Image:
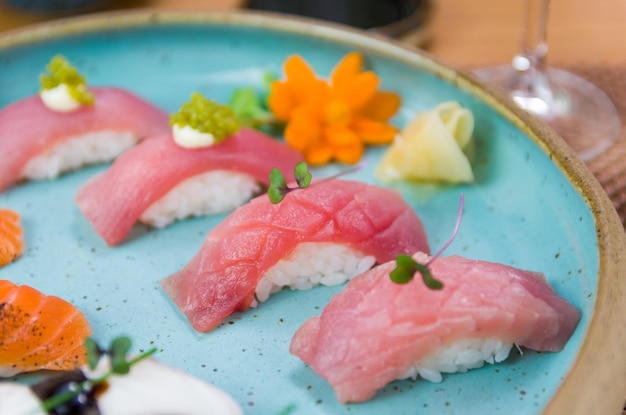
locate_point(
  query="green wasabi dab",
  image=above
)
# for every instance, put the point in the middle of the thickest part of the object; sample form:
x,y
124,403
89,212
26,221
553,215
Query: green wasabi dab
x,y
60,71
206,116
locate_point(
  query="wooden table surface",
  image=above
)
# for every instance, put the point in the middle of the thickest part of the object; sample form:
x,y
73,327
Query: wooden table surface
x,y
466,34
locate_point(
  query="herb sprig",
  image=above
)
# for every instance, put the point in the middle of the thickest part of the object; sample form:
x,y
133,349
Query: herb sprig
x,y
250,105
406,266
278,187
120,365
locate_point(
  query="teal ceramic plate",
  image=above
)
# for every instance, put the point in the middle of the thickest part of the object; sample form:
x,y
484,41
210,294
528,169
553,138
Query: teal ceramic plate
x,y
533,206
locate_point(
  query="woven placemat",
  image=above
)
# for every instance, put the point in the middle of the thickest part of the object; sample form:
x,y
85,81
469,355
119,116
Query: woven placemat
x,y
610,166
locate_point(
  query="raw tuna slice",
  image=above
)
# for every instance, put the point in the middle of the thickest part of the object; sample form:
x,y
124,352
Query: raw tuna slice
x,y
376,331
241,251
28,129
115,200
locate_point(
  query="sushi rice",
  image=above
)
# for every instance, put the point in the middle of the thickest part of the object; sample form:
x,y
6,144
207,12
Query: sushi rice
x,y
459,357
92,148
208,193
311,264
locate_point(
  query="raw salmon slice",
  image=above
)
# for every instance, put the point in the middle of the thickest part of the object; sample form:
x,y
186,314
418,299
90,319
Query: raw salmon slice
x,y
11,236
39,331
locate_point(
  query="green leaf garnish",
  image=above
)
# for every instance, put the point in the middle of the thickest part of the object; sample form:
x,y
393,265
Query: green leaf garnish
x,y
60,71
406,266
119,349
249,108
94,353
206,116
278,186
250,104
404,270
302,175
117,352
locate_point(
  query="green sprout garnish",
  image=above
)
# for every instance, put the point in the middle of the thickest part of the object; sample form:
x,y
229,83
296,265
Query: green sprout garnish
x,y
120,365
278,188
60,71
406,266
250,105
206,116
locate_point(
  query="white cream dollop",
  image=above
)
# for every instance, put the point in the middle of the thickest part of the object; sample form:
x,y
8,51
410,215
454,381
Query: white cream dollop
x,y
188,137
18,399
152,387
59,99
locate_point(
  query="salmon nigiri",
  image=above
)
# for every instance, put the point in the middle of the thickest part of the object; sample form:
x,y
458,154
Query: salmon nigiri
x,y
324,234
39,331
376,331
11,236
40,140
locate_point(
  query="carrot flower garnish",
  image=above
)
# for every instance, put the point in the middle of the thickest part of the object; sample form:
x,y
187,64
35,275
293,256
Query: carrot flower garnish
x,y
333,119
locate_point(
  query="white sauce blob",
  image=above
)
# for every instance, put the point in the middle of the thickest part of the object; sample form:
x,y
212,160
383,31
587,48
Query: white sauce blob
x,y
59,99
188,137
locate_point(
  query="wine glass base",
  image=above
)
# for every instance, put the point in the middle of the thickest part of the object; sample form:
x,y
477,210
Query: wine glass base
x,y
581,113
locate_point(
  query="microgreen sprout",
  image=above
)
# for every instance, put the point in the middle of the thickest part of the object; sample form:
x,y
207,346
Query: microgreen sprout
x,y
249,104
278,187
249,110
406,266
120,365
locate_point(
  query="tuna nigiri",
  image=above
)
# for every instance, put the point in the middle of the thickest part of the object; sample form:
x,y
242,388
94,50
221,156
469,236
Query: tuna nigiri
x,y
40,141
39,331
11,236
159,181
376,331
324,234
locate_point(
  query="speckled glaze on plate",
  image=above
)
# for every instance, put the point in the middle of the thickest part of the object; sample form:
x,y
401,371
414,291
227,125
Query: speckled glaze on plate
x,y
533,206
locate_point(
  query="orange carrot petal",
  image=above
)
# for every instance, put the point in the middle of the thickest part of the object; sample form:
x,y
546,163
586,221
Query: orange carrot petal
x,y
321,153
340,136
304,129
373,132
298,71
281,101
358,90
350,154
337,112
348,67
382,106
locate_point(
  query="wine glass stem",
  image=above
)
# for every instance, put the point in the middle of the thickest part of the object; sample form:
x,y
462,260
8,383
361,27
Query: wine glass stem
x,y
534,46
531,87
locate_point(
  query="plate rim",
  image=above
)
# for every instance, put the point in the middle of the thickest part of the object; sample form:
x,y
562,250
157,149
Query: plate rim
x,y
599,366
